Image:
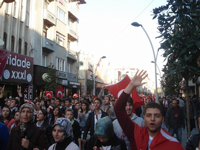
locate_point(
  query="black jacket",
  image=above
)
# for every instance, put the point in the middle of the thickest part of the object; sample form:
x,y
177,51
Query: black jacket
x,y
115,142
192,142
170,120
89,125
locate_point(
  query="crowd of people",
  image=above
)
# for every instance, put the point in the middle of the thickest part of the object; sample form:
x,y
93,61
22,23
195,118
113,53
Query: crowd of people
x,y
96,123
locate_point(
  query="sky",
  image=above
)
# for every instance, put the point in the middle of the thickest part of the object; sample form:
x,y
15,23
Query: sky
x,y
105,30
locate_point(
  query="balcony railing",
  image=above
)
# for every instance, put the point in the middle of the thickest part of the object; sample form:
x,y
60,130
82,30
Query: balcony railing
x,y
73,9
48,44
72,55
72,34
49,18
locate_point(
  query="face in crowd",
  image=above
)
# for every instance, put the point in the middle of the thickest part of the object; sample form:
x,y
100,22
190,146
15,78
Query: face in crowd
x,y
97,104
153,119
26,115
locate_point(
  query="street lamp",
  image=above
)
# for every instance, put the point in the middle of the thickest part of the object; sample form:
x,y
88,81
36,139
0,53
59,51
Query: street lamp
x,y
135,24
94,76
158,69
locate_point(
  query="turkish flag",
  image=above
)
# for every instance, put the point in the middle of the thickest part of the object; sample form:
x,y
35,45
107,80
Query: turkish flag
x,y
59,91
117,88
49,94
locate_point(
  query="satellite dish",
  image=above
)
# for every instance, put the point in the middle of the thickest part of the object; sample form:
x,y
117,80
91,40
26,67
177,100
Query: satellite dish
x,y
1,42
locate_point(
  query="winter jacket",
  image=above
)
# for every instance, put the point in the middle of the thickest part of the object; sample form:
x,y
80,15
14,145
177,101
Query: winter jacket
x,y
90,124
170,120
4,136
192,142
37,140
139,136
119,132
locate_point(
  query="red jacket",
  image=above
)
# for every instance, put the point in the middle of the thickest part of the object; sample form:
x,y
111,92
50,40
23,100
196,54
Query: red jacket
x,y
139,136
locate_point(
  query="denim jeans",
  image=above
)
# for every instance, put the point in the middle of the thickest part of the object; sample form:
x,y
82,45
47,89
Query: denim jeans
x,y
178,132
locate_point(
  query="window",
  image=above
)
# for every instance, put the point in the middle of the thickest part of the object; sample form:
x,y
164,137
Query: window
x,y
20,46
61,15
60,64
8,8
45,32
5,40
12,43
22,12
27,19
25,48
68,67
15,10
44,60
60,39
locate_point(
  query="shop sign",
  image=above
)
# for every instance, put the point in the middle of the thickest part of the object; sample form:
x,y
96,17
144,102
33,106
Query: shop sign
x,y
19,68
61,74
74,84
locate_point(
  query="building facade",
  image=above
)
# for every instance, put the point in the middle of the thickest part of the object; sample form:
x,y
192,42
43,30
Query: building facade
x,y
45,31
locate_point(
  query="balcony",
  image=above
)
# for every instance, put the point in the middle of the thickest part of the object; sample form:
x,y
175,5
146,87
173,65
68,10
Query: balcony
x,y
73,9
72,35
72,55
49,18
48,45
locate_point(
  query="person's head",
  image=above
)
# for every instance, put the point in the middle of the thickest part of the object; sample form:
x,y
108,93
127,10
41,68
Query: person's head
x,y
73,101
62,103
147,100
26,112
107,100
57,101
8,102
68,102
41,115
97,103
91,107
62,129
14,103
84,106
17,117
77,106
76,101
6,113
52,101
153,117
104,129
57,111
37,104
113,101
69,114
82,99
48,102
129,106
104,100
42,103
175,103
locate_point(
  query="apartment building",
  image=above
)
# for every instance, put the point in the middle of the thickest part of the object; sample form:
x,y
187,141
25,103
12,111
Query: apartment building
x,y
40,32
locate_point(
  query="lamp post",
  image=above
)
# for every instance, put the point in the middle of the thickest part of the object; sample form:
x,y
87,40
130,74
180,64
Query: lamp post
x,y
94,76
135,24
158,69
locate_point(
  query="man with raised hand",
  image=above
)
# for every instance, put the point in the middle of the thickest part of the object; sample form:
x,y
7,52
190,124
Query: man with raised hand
x,y
152,136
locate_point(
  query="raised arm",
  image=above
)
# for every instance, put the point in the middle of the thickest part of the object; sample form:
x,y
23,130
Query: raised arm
x,y
19,92
124,120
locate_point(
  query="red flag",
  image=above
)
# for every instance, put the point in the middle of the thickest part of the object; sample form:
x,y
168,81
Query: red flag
x,y
117,88
59,91
49,94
